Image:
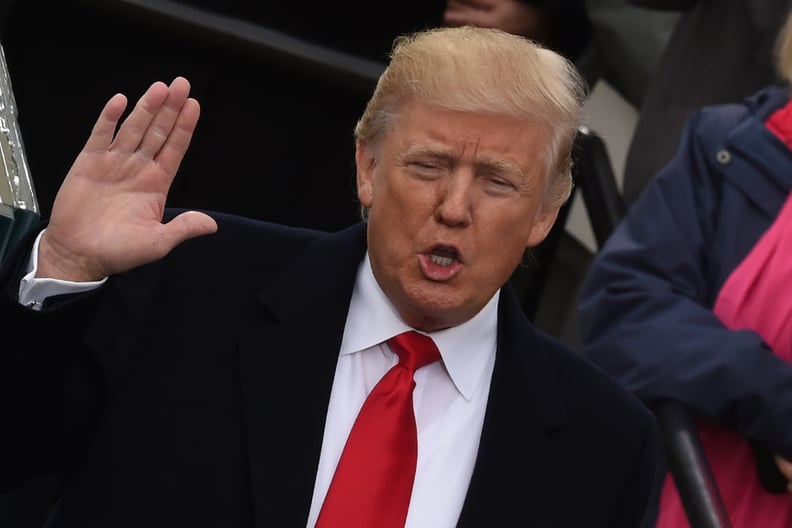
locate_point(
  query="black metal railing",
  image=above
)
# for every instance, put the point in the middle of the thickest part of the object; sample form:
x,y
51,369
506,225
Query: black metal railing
x,y
679,436
250,39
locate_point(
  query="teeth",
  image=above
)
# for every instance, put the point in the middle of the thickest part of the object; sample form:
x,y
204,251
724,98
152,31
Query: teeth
x,y
441,261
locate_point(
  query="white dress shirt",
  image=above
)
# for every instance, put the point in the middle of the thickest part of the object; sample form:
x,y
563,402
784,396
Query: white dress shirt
x,y
33,292
450,396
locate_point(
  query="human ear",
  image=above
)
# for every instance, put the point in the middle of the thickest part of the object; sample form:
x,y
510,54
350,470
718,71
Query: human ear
x,y
364,163
541,227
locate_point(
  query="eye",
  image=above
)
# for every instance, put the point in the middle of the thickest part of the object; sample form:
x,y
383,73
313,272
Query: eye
x,y
498,185
500,182
425,168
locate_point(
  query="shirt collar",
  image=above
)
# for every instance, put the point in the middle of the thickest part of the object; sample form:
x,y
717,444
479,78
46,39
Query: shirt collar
x,y
466,349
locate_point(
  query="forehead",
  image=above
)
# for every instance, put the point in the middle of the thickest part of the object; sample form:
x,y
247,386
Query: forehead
x,y
479,137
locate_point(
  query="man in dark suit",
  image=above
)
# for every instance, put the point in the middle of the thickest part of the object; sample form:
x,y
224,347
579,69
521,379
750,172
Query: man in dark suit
x,y
187,380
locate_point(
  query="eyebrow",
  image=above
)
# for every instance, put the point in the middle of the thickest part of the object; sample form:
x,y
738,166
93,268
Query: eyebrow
x,y
435,152
498,166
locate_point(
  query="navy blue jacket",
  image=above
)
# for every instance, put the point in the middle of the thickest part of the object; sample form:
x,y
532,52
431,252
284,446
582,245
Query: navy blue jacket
x,y
193,392
646,306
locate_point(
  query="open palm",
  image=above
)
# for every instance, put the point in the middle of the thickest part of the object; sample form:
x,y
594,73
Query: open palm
x,y
107,216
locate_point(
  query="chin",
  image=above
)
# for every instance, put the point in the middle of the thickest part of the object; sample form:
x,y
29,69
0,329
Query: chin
x,y
438,311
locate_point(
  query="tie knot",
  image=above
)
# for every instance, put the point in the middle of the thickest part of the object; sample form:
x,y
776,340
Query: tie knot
x,y
414,350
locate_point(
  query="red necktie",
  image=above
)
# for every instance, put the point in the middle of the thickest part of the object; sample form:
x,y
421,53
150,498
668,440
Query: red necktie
x,y
373,482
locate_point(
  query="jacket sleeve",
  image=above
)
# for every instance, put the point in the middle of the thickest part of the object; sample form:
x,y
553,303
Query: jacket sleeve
x,y
51,382
646,314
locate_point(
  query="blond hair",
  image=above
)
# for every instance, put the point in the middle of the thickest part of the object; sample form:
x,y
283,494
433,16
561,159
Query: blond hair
x,y
484,71
783,50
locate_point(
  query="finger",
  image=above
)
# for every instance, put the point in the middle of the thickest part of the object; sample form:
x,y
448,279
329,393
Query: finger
x,y
472,4
172,152
184,226
137,122
104,129
163,122
784,466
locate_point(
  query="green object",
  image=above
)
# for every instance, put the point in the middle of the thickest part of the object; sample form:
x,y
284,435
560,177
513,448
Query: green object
x,y
24,219
14,223
6,228
18,204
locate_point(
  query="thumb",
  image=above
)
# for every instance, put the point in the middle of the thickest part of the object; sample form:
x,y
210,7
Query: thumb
x,y
184,226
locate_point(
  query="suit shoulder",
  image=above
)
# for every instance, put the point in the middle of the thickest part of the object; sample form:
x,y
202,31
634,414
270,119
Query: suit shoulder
x,y
580,386
589,390
244,241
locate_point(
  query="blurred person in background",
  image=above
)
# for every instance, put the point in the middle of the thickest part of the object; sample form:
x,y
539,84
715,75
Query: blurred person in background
x,y
689,299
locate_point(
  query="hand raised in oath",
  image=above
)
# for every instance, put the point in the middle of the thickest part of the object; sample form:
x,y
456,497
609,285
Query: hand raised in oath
x,y
107,216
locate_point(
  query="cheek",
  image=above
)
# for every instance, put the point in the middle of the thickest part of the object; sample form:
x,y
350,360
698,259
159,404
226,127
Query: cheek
x,y
506,254
407,199
512,224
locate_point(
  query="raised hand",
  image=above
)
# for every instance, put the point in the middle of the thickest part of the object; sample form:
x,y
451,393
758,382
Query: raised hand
x,y
107,216
785,467
513,16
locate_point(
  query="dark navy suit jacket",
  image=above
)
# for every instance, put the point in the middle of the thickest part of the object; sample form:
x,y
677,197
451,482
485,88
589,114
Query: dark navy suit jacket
x,y
193,392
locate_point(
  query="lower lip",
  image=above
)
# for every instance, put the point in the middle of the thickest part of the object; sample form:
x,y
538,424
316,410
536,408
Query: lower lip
x,y
437,272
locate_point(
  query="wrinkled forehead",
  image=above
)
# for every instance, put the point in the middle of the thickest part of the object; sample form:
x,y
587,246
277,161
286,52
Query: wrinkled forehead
x,y
394,115
511,143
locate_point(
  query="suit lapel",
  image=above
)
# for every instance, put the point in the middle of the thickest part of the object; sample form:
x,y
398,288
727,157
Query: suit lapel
x,y
288,363
518,461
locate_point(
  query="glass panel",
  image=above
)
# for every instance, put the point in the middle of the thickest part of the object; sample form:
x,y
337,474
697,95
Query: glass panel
x,y
18,206
6,227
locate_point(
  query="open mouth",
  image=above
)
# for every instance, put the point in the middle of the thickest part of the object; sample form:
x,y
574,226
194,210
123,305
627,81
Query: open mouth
x,y
443,256
441,263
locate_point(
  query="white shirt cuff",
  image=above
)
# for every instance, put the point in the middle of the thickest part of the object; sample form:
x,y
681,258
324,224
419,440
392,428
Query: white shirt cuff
x,y
33,291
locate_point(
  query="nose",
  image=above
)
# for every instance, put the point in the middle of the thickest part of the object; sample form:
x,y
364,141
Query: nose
x,y
455,202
